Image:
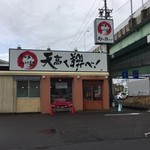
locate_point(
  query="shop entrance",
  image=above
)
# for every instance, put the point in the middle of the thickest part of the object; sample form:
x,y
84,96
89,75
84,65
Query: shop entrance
x,y
61,89
92,95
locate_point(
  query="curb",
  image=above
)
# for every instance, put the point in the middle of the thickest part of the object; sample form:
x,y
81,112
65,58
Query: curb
x,y
142,108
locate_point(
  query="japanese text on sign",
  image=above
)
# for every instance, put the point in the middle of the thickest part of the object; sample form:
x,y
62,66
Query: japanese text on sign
x,y
57,61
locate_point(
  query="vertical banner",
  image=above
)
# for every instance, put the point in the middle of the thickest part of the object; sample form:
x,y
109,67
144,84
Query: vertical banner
x,y
103,31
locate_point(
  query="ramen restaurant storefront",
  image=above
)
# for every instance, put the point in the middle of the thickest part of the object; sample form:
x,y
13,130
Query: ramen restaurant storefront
x,y
38,78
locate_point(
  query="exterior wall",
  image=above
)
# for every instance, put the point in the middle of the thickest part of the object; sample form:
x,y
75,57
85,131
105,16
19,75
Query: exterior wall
x,y
7,91
94,105
28,105
77,91
9,103
105,94
45,94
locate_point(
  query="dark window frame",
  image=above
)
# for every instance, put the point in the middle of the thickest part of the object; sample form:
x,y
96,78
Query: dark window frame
x,y
28,89
91,96
62,93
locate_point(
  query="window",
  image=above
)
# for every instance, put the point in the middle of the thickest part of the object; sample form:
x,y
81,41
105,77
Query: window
x,y
91,91
22,89
61,89
87,93
28,88
96,92
34,89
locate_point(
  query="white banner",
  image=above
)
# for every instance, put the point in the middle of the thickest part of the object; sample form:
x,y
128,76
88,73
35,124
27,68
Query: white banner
x,y
61,85
103,31
57,60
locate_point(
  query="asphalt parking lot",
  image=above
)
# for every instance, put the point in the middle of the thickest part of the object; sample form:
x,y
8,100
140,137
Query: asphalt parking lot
x,y
74,131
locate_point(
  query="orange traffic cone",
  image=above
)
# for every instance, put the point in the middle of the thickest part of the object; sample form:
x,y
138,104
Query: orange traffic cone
x,y
51,112
72,109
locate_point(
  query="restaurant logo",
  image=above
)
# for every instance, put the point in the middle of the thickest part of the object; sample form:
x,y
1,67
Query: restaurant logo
x,y
27,60
104,28
103,31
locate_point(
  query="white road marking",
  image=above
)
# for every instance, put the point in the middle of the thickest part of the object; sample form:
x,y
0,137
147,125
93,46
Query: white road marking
x,y
146,134
125,114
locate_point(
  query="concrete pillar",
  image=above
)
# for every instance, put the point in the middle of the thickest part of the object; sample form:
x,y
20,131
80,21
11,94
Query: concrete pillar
x,y
45,94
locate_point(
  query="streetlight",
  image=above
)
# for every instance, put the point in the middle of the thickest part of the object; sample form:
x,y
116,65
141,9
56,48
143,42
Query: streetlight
x,y
84,39
131,8
142,4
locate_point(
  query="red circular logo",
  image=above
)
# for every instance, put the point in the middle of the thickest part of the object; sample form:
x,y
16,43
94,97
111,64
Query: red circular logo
x,y
27,60
104,28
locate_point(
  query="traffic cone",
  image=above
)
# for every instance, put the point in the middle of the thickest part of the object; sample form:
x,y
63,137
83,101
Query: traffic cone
x,y
72,109
51,112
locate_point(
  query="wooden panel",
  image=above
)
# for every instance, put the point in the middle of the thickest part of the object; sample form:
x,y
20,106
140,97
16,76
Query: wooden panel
x,y
6,94
92,105
28,105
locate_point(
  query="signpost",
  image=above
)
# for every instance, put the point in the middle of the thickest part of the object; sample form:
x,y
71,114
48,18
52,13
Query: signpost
x,y
104,34
103,31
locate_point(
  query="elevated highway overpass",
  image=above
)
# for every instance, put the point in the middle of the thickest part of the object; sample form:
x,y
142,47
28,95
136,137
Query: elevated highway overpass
x,y
131,50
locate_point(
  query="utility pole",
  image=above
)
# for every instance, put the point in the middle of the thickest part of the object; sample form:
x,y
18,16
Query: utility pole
x,y
105,14
105,8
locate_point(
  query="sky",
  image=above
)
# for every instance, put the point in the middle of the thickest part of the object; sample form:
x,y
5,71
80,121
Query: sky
x,y
57,24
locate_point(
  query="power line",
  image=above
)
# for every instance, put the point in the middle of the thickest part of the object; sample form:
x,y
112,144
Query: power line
x,y
84,28
82,24
121,7
81,33
61,40
78,32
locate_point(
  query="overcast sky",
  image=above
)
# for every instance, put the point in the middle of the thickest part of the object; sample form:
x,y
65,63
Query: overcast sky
x,y
58,24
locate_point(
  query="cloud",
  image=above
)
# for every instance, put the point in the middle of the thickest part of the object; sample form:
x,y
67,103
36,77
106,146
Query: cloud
x,y
40,21
4,56
54,23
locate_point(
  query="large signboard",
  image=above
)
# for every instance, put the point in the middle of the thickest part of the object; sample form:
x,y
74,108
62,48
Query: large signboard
x,y
103,31
57,60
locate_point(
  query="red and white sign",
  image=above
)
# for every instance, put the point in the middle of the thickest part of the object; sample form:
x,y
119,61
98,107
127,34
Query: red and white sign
x,y
103,30
27,60
56,61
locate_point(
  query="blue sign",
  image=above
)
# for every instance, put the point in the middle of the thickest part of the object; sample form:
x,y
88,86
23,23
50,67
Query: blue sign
x,y
124,73
135,74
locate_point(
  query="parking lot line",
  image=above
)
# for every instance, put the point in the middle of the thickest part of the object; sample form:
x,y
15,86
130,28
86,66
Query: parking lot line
x,y
123,114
